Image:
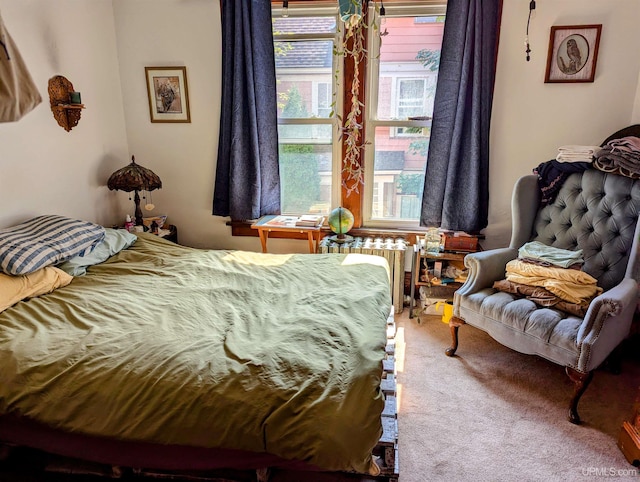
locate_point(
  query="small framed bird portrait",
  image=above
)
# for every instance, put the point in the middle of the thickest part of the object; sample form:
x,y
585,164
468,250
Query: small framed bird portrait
x,y
167,92
573,52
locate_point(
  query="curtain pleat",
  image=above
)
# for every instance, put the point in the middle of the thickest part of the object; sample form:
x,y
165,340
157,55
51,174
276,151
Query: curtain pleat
x,y
247,183
456,190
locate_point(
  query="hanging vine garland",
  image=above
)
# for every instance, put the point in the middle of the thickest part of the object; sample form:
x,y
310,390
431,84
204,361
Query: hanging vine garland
x,y
352,129
351,12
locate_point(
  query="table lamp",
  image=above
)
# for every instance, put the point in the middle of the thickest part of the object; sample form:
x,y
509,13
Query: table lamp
x,y
135,178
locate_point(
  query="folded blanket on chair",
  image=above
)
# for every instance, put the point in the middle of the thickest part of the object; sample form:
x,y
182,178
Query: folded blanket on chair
x,y
552,175
620,156
542,297
623,162
568,284
563,258
573,153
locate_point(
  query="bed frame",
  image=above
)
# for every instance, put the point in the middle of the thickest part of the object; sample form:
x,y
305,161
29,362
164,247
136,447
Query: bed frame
x,y
54,453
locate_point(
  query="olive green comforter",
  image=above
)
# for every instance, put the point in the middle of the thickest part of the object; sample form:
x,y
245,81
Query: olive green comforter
x,y
169,344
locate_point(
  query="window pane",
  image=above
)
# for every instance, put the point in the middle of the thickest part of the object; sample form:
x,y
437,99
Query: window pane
x,y
411,98
306,160
304,73
305,25
409,60
398,176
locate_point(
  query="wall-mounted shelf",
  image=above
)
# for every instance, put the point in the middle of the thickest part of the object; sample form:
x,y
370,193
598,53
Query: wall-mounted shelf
x,y
66,114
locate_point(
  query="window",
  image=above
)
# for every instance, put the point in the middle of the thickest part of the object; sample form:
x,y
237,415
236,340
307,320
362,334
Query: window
x,y
304,46
410,98
402,70
322,99
402,81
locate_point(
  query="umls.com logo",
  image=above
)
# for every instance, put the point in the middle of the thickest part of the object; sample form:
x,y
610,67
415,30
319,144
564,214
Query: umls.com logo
x,y
609,472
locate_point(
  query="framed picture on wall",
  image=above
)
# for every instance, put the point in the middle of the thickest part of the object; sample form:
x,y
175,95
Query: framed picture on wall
x,y
573,52
168,95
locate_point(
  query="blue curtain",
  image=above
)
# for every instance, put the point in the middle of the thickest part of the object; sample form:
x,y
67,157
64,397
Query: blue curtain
x,y
456,190
247,183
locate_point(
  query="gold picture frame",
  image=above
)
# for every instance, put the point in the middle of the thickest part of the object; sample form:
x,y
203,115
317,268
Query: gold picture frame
x,y
168,94
573,53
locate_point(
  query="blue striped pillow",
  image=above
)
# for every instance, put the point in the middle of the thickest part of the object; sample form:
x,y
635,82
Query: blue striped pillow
x,y
46,240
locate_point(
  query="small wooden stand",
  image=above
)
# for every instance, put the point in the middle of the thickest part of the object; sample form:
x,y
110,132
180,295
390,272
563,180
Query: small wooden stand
x,y
66,114
629,439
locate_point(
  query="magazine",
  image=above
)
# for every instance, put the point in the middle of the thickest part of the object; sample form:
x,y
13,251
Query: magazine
x,y
309,220
304,221
283,221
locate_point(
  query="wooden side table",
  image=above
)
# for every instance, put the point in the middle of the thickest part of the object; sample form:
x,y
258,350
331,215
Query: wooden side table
x,y
313,233
629,439
420,258
172,235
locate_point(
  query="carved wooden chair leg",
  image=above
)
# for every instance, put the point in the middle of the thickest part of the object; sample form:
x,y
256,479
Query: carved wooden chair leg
x,y
581,381
454,324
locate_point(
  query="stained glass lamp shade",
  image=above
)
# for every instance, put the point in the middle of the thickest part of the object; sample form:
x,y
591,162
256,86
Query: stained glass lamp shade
x,y
135,178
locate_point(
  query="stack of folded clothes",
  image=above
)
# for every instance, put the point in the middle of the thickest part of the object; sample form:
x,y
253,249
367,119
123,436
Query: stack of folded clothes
x,y
620,156
550,277
573,153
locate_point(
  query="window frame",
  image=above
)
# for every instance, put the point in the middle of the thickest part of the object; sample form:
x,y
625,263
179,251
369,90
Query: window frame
x,y
360,203
326,10
399,9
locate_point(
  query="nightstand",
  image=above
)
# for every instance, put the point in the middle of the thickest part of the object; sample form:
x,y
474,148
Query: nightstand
x,y
169,232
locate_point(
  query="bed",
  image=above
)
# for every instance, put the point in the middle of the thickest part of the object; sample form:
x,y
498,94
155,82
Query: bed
x,y
176,358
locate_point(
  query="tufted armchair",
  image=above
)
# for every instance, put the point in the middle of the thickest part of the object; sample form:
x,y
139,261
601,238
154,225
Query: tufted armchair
x,y
594,211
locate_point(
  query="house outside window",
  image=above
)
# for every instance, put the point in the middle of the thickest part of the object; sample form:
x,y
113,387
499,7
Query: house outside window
x,y
410,98
308,146
401,79
322,99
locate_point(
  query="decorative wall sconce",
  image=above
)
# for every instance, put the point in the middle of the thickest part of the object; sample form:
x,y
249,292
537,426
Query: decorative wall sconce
x,y
66,103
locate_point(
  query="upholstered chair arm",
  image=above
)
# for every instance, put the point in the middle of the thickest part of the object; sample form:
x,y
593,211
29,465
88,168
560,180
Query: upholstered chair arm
x,y
485,267
525,202
606,323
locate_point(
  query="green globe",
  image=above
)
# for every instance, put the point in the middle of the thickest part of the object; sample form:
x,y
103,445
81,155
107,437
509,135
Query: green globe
x,y
340,221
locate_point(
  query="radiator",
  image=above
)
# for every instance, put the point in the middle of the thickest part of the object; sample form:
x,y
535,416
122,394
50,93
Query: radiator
x,y
393,249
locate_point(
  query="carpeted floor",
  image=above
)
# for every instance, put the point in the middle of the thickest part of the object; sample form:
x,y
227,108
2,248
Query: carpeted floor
x,y
490,414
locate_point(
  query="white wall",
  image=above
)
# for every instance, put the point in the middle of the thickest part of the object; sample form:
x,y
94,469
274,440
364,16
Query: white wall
x,y
180,33
176,33
104,50
43,168
532,119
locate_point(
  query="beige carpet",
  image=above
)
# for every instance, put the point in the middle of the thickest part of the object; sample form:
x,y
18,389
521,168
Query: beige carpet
x,y
492,414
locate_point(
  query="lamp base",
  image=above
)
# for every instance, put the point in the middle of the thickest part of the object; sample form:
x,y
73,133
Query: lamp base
x,y
138,213
341,238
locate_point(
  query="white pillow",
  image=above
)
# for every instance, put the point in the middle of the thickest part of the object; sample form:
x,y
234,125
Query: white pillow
x,y
46,240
